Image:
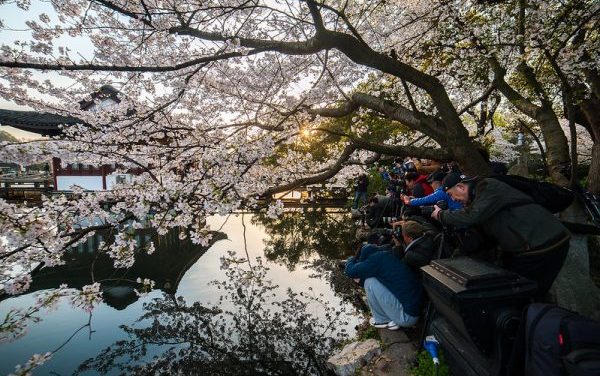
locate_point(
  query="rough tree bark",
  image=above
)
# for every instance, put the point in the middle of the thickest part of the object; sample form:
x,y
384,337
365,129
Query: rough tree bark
x,y
591,110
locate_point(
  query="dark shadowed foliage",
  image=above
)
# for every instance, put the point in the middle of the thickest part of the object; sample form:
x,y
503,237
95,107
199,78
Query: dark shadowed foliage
x,y
252,330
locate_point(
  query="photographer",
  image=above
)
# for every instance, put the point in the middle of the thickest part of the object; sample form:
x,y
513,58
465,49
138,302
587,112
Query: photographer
x,y
417,184
439,194
394,293
381,211
532,241
360,190
418,244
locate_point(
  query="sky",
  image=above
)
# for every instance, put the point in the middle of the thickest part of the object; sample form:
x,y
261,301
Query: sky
x,y
14,28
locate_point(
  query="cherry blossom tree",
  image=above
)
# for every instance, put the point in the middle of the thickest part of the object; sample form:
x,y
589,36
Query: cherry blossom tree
x,y
224,102
541,56
215,98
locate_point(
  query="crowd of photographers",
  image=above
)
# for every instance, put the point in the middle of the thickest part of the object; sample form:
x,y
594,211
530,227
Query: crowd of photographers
x,y
444,214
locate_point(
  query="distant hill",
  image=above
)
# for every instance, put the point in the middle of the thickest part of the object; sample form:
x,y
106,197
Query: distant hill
x,y
5,136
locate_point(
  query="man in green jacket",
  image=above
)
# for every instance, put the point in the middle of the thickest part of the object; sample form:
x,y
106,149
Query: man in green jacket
x,y
532,240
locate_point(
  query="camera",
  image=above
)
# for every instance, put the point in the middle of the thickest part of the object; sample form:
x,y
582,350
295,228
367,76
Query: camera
x,y
427,210
395,232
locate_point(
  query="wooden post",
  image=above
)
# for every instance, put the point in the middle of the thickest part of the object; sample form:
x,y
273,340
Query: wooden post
x,y
6,189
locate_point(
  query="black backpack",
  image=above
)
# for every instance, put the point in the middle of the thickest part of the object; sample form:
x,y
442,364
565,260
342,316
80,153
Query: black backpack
x,y
551,196
560,342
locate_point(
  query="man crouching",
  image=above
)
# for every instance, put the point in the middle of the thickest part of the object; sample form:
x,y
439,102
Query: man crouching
x,y
394,292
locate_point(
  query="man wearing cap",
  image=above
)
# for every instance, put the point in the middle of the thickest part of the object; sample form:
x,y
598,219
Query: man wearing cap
x,y
439,194
533,242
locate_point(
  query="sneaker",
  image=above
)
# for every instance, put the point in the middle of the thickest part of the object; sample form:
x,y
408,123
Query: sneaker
x,y
379,325
392,326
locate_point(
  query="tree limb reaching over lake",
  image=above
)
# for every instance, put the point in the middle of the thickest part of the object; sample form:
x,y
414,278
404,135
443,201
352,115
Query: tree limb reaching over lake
x,y
216,103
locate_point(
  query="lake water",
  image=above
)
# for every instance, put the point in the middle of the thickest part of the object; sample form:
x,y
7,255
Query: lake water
x,y
260,301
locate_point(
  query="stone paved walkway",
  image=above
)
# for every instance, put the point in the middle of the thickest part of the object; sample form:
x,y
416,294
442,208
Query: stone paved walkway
x,y
395,360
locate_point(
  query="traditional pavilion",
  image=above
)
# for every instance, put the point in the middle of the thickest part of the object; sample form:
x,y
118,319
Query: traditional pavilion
x,y
87,176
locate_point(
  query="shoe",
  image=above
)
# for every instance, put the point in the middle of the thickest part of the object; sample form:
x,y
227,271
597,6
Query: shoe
x,y
379,325
392,326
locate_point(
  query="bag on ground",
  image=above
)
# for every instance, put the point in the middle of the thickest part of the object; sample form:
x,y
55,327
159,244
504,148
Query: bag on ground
x,y
560,342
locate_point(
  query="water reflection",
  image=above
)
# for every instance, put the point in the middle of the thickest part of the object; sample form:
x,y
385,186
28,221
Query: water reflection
x,y
299,234
85,265
262,333
242,324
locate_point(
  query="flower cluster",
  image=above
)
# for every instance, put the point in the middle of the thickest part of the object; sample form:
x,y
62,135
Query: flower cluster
x,y
33,362
146,285
87,298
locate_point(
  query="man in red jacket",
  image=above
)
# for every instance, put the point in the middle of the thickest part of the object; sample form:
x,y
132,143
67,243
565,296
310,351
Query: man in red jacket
x,y
417,184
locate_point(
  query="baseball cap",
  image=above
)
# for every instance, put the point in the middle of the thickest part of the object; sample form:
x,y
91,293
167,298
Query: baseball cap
x,y
454,178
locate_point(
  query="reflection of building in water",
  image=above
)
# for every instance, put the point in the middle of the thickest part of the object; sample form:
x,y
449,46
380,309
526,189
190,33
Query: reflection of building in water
x,y
166,266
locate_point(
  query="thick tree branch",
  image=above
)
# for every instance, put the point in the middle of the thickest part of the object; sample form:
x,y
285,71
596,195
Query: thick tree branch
x,y
345,109
349,25
329,173
523,104
418,121
395,150
426,124
440,155
477,100
568,99
409,96
316,15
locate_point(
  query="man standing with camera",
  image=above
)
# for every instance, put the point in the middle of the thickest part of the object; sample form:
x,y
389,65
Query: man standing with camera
x,y
360,190
532,241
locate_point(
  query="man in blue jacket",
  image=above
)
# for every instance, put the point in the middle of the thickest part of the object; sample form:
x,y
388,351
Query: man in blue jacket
x,y
438,194
394,293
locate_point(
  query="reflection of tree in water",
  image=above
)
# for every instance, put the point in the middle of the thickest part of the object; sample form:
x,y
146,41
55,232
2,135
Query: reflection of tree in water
x,y
300,233
261,334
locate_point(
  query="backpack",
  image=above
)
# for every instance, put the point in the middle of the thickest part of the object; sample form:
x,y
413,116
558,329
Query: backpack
x,y
560,342
550,196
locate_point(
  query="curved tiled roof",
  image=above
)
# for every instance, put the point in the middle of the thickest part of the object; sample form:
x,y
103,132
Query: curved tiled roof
x,y
43,123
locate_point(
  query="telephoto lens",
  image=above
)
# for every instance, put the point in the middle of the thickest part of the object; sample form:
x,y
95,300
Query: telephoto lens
x,y
427,210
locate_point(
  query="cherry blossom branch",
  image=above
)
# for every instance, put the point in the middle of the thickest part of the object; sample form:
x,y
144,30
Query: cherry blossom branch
x,y
477,100
75,236
334,169
347,22
126,68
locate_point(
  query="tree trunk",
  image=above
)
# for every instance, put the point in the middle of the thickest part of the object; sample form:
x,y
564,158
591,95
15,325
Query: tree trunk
x,y
591,109
557,146
468,158
594,172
